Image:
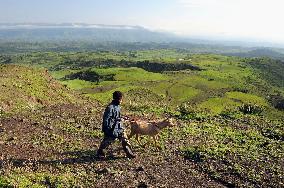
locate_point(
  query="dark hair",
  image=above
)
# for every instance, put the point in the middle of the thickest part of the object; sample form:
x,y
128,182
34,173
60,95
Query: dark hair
x,y
117,95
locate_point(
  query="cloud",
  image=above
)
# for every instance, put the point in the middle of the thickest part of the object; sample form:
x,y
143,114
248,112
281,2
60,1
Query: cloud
x,y
198,3
246,18
189,4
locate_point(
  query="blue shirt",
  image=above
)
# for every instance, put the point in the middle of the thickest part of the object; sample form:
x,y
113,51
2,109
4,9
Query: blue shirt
x,y
112,125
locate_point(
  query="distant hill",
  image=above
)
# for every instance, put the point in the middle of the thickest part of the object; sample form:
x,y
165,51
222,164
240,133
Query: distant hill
x,y
260,52
22,38
85,32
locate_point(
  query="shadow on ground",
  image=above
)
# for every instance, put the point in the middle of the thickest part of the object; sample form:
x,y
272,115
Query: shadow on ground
x,y
74,157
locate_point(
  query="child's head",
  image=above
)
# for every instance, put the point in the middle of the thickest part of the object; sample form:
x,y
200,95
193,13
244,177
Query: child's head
x,y
117,95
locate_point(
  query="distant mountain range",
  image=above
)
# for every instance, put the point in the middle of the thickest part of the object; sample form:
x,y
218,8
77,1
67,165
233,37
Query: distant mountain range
x,y
38,32
24,37
64,25
260,52
85,32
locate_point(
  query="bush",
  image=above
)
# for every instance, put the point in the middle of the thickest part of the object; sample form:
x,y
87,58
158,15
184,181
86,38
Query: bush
x,y
188,112
277,101
228,114
193,154
251,109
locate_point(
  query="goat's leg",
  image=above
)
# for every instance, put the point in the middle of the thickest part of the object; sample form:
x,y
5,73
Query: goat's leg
x,y
137,138
130,135
155,140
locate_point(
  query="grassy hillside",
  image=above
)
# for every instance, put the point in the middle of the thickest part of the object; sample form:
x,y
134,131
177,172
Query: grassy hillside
x,y
23,88
269,70
210,84
228,120
216,78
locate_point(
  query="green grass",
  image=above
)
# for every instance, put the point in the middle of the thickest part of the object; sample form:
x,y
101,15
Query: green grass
x,y
247,98
5,183
182,93
42,180
218,105
106,97
217,143
219,140
78,84
131,74
202,83
62,73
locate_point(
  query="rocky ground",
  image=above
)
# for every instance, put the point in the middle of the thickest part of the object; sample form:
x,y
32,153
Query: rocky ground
x,y
56,147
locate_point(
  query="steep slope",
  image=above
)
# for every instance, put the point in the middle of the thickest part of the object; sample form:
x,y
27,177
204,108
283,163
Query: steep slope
x,y
23,88
269,69
54,146
210,145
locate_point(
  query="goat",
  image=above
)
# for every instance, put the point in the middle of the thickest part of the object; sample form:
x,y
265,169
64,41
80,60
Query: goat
x,y
151,128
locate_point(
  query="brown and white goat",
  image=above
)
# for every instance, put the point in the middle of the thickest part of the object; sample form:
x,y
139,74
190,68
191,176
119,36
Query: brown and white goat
x,y
151,128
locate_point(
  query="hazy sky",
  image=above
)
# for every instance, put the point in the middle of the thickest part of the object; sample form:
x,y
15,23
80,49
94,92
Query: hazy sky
x,y
261,19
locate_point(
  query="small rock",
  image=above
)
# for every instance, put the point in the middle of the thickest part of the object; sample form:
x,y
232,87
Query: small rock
x,y
1,128
35,123
23,120
103,171
49,127
11,139
167,159
142,185
71,120
262,145
140,169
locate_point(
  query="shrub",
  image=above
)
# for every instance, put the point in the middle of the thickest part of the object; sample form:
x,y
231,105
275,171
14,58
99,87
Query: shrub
x,y
193,153
248,108
188,112
277,101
